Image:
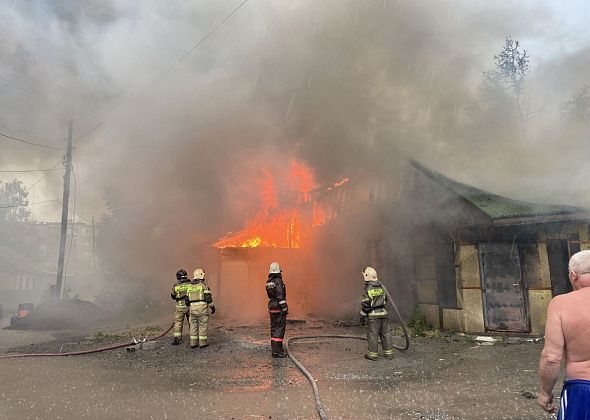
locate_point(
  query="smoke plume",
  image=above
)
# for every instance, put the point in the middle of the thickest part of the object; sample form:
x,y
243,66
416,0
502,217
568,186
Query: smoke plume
x,y
348,87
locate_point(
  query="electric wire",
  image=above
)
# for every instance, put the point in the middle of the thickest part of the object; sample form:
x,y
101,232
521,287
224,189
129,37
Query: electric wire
x,y
19,171
162,75
43,177
32,143
30,204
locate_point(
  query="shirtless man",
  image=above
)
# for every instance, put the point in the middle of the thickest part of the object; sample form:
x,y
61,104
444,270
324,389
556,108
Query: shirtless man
x,y
568,333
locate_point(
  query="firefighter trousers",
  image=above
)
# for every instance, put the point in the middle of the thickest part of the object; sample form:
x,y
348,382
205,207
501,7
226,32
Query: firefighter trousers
x,y
278,323
181,312
379,328
199,323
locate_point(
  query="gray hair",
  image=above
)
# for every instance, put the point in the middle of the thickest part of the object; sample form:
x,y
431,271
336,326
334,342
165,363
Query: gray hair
x,y
580,262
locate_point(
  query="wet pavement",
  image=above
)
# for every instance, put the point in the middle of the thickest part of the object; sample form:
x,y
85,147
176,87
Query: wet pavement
x,y
438,378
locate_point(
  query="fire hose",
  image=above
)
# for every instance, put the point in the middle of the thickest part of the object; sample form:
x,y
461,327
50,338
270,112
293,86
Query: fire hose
x,y
78,353
310,378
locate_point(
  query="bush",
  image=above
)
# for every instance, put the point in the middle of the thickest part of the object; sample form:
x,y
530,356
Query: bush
x,y
419,325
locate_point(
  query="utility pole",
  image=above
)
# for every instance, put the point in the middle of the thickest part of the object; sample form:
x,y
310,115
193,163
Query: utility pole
x,y
64,213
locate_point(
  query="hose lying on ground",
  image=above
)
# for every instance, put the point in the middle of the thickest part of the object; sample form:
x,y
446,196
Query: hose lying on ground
x,y
77,353
316,392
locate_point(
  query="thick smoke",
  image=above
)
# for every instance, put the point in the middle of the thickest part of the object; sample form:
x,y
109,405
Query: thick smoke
x,y
346,86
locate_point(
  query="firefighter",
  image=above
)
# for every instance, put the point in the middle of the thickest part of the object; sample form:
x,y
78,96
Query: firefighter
x,y
277,308
373,307
201,304
179,295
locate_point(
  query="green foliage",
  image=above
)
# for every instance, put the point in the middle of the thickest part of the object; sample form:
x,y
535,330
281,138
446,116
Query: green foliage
x,y
14,202
419,325
105,336
511,67
578,107
152,328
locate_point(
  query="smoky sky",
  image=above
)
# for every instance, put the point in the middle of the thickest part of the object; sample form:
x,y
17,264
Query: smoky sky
x,y
343,85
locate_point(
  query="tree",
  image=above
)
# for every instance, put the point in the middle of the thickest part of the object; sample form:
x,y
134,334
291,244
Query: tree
x,y
511,66
14,202
578,107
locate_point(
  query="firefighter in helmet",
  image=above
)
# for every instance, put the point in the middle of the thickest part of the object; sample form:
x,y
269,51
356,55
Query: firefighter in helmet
x,y
201,304
179,295
373,307
277,308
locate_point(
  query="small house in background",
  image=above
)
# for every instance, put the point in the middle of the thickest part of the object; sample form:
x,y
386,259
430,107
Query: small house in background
x,y
21,280
484,262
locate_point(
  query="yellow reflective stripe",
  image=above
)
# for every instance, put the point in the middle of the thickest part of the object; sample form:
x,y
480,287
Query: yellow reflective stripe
x,y
177,334
388,351
282,301
372,353
375,292
202,337
194,337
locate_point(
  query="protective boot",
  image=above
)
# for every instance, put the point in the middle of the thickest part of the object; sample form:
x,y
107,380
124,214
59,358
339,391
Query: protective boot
x,y
277,349
369,355
176,341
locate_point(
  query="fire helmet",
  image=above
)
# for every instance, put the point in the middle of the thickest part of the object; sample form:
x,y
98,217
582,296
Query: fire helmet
x,y
199,274
370,274
181,274
274,268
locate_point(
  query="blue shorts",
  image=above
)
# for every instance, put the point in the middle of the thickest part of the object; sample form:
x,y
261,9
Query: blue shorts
x,y
575,400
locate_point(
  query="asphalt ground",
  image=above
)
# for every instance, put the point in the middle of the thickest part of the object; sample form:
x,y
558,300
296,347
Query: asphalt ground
x,y
444,377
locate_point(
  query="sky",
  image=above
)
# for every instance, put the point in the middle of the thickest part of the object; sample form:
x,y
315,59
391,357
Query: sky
x,y
83,60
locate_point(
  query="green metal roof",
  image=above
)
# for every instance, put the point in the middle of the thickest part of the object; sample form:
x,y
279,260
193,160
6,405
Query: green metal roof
x,y
496,206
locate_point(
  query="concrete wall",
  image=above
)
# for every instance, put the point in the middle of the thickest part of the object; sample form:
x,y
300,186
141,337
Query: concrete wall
x,y
431,313
469,317
468,272
426,289
453,320
539,292
538,301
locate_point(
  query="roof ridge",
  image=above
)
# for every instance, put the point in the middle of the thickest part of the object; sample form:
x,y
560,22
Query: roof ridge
x,y
494,205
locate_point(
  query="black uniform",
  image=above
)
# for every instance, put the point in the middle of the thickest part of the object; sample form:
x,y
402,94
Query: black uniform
x,y
277,308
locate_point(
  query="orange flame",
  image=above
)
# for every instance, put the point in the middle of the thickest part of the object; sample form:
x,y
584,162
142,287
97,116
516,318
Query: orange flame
x,y
281,226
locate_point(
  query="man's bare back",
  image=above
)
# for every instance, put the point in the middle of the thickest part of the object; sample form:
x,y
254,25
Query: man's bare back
x,y
573,310
567,336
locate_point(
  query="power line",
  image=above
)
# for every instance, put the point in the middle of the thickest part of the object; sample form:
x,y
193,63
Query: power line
x,y
19,171
32,143
42,178
29,204
165,73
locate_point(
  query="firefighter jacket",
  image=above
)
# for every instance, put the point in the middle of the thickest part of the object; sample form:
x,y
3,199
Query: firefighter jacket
x,y
373,300
198,291
179,292
277,293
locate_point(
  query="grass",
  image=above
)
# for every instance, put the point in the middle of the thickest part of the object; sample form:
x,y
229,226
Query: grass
x,y
420,327
105,336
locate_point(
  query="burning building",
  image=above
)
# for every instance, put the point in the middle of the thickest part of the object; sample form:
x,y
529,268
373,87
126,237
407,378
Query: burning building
x,y
292,209
467,259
